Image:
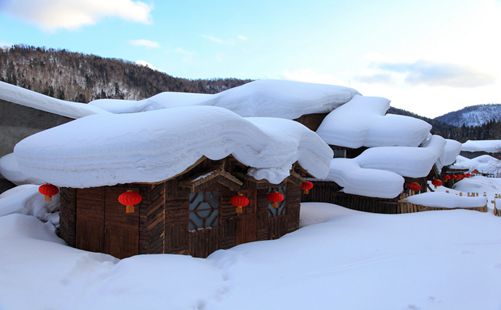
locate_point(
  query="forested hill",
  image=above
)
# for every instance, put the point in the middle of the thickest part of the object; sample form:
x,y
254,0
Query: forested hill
x,y
80,77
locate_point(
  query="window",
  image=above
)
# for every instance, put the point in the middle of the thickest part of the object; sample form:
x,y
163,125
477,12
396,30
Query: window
x,y
339,153
204,210
280,210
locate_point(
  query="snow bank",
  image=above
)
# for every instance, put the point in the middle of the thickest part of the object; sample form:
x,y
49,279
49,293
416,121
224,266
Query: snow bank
x,y
25,199
160,101
451,150
414,162
153,146
10,171
41,102
446,200
489,146
364,182
362,122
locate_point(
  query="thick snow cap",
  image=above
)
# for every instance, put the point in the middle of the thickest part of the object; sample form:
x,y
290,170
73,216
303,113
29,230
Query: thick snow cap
x,y
282,98
452,149
364,182
414,162
261,98
152,146
489,146
362,122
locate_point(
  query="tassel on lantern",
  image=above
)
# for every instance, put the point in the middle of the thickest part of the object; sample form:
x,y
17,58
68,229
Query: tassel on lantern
x,y
306,187
130,199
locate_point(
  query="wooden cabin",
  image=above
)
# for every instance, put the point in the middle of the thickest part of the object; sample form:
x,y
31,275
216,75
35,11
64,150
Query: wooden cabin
x,y
189,214
312,121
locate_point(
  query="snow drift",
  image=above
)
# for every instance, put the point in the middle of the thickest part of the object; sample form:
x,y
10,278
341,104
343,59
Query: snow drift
x,y
489,146
446,200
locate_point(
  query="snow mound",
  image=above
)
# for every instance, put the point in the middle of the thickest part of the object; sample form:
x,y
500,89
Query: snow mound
x,y
281,98
25,199
446,200
489,146
364,182
362,122
31,99
152,146
452,149
414,162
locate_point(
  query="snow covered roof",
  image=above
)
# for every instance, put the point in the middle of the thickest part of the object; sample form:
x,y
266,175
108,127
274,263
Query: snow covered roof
x,y
109,149
484,164
282,98
362,122
489,146
414,162
364,182
446,200
163,100
451,150
31,99
262,98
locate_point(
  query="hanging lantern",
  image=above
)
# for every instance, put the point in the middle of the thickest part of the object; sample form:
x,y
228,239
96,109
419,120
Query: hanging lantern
x,y
306,187
475,171
446,178
48,190
459,177
467,175
275,198
436,182
239,202
129,199
414,186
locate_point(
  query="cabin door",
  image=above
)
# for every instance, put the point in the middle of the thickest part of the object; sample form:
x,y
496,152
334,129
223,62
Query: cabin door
x,y
102,224
277,216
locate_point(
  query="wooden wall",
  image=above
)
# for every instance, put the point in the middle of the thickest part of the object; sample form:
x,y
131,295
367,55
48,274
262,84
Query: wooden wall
x,y
93,220
312,121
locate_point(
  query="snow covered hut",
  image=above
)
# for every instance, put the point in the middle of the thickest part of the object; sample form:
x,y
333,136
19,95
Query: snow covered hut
x,y
201,178
475,148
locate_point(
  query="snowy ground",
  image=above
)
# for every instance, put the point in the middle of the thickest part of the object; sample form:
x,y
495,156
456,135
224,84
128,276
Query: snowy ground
x,y
339,259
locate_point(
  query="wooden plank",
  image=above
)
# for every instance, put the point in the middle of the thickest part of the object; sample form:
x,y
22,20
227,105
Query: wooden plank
x,y
121,229
90,219
67,215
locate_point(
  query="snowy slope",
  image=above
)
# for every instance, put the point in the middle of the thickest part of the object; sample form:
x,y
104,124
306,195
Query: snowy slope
x,y
109,149
472,116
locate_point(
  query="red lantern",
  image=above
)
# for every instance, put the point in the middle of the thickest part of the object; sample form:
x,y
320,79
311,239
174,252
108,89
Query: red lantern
x,y
446,177
239,202
48,190
436,182
459,177
475,171
306,187
468,175
275,198
414,186
129,199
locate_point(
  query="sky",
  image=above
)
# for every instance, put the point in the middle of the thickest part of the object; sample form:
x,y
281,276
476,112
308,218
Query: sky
x,y
428,57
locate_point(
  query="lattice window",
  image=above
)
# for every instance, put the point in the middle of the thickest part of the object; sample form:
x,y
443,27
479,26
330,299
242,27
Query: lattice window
x,y
204,210
280,210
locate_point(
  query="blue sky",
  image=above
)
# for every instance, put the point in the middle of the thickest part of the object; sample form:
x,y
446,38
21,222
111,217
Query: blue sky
x,y
429,57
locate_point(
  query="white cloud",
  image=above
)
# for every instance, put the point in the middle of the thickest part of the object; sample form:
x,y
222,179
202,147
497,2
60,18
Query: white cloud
x,y
72,14
213,39
146,64
225,41
144,43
